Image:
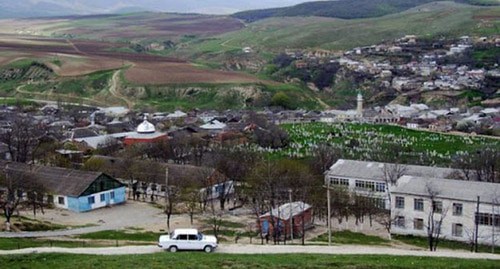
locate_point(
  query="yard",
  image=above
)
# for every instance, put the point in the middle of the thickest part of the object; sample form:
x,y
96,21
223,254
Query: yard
x,y
202,260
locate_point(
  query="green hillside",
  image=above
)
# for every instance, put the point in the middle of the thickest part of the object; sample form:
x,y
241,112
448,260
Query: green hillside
x,y
428,21
346,9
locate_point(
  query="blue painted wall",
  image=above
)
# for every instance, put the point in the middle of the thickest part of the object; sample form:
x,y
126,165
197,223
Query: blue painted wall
x,y
81,204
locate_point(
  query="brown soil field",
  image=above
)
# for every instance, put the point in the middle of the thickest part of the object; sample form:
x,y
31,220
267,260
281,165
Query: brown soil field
x,y
76,58
181,73
125,27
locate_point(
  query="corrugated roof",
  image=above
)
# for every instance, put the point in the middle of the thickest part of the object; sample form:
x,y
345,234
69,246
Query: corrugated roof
x,y
283,211
448,188
177,173
56,180
374,170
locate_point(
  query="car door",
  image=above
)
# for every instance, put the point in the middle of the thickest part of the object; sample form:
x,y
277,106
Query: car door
x,y
182,241
193,242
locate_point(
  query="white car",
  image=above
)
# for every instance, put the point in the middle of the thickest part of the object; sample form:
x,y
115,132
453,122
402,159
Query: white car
x,y
187,239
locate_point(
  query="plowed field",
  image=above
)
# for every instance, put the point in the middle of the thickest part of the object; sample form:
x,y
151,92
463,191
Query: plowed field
x,y
75,58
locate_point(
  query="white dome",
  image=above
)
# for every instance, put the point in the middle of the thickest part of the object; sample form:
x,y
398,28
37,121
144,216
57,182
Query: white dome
x,y
146,127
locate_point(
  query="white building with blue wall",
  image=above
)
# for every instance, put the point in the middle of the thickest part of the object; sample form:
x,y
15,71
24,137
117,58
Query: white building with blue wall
x,y
75,190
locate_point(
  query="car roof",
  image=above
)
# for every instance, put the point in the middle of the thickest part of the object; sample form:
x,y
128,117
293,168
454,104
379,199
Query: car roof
x,y
185,231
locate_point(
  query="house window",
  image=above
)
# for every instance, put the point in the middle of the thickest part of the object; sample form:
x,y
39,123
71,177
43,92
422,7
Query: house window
x,y
457,229
339,181
400,202
91,200
365,185
103,197
418,204
60,200
112,195
380,187
418,224
488,219
457,209
378,202
437,207
400,222
483,219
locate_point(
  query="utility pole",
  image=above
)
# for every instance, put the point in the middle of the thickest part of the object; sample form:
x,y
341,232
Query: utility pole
x,y
476,222
291,215
166,194
493,226
329,213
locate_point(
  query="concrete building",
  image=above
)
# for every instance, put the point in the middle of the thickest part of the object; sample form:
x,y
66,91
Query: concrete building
x,y
369,178
455,202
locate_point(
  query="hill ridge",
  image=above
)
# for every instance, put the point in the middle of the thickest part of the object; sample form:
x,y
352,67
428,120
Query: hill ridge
x,y
347,9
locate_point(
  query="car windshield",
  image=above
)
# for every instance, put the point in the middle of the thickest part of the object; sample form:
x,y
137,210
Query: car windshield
x,y
200,236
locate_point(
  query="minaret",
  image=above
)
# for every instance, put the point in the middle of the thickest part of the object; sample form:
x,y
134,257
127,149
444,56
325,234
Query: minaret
x,y
92,119
359,110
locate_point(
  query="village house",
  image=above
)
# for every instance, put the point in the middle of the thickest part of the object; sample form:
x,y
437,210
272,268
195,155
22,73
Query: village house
x,y
278,220
70,189
453,204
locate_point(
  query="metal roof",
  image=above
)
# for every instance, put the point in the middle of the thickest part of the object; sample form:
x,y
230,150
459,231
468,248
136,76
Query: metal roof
x,y
448,189
283,211
374,170
56,180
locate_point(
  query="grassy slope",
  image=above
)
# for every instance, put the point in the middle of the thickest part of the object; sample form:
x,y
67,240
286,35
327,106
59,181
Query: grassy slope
x,y
431,20
202,260
346,9
441,147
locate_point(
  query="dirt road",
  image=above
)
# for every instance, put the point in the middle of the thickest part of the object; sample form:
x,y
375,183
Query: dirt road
x,y
268,249
113,89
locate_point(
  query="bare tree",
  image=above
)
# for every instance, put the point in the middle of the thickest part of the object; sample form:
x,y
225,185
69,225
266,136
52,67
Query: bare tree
x,y
22,139
391,173
483,165
180,148
191,198
324,156
15,184
435,217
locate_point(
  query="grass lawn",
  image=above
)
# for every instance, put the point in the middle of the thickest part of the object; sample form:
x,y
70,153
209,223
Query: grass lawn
x,y
348,237
19,243
203,260
122,235
422,242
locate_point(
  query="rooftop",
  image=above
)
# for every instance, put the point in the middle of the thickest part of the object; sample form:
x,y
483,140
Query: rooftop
x,y
449,188
375,170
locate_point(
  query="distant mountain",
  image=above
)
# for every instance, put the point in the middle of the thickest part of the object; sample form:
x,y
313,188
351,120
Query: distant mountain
x,y
345,9
47,8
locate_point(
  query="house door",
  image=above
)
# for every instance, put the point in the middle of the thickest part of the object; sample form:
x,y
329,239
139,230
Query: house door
x,y
265,227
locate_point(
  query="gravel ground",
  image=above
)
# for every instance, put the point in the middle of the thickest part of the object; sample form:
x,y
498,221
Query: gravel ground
x,y
268,249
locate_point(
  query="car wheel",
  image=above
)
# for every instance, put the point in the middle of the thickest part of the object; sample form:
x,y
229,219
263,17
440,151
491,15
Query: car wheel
x,y
208,249
173,249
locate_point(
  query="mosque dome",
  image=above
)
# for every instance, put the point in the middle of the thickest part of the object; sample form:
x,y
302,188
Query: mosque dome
x,y
146,127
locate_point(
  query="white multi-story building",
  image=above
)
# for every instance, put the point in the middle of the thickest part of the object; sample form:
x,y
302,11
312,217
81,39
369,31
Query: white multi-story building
x,y
370,178
453,204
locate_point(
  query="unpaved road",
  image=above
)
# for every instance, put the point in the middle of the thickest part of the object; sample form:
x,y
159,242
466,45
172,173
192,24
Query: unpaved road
x,y
113,89
268,249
